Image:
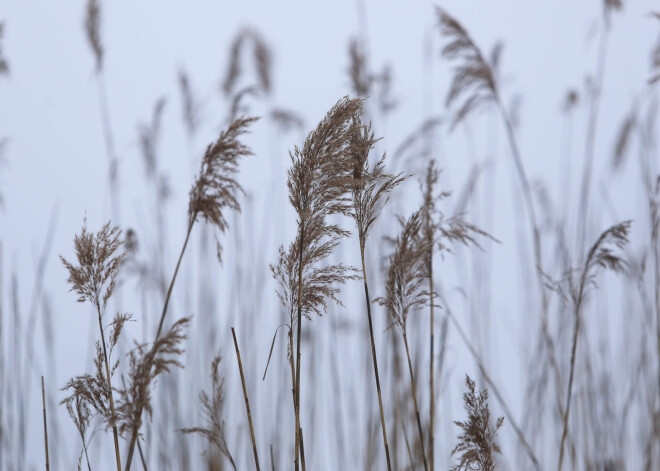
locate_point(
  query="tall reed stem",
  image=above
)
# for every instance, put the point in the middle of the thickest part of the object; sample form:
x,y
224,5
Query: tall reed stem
x,y
247,401
431,369
298,328
112,401
134,435
375,359
43,400
414,395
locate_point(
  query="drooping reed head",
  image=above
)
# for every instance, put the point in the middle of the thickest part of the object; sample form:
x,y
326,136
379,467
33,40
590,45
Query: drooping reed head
x,y
146,363
473,76
477,443
261,56
404,288
93,31
94,277
320,177
371,185
321,171
215,188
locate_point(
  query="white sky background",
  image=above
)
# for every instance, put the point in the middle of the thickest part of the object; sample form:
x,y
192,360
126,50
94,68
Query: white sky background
x,y
56,158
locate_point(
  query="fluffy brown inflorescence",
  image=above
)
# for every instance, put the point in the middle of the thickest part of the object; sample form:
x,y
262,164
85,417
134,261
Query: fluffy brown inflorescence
x,y
477,443
94,278
319,179
215,187
473,76
404,289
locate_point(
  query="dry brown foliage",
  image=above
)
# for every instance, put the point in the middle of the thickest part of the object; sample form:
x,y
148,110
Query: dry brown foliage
x,y
477,443
212,410
93,31
215,187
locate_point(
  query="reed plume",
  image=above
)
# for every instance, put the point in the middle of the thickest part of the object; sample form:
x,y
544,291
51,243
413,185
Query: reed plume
x,y
318,180
212,411
372,186
405,292
261,58
605,254
94,279
477,443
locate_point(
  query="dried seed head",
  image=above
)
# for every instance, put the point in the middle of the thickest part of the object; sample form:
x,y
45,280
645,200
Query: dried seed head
x,y
215,187
191,108
473,76
357,70
94,277
405,289
477,443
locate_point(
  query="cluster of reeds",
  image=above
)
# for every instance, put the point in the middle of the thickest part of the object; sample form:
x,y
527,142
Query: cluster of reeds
x,y
339,178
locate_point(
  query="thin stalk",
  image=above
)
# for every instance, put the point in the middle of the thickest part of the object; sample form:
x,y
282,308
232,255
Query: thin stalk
x,y
112,401
299,327
43,399
414,395
134,435
375,359
302,450
572,371
293,372
247,401
431,384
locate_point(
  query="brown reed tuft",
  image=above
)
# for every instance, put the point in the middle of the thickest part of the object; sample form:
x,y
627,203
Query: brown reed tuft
x,y
93,31
215,187
477,443
212,411
146,363
473,76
